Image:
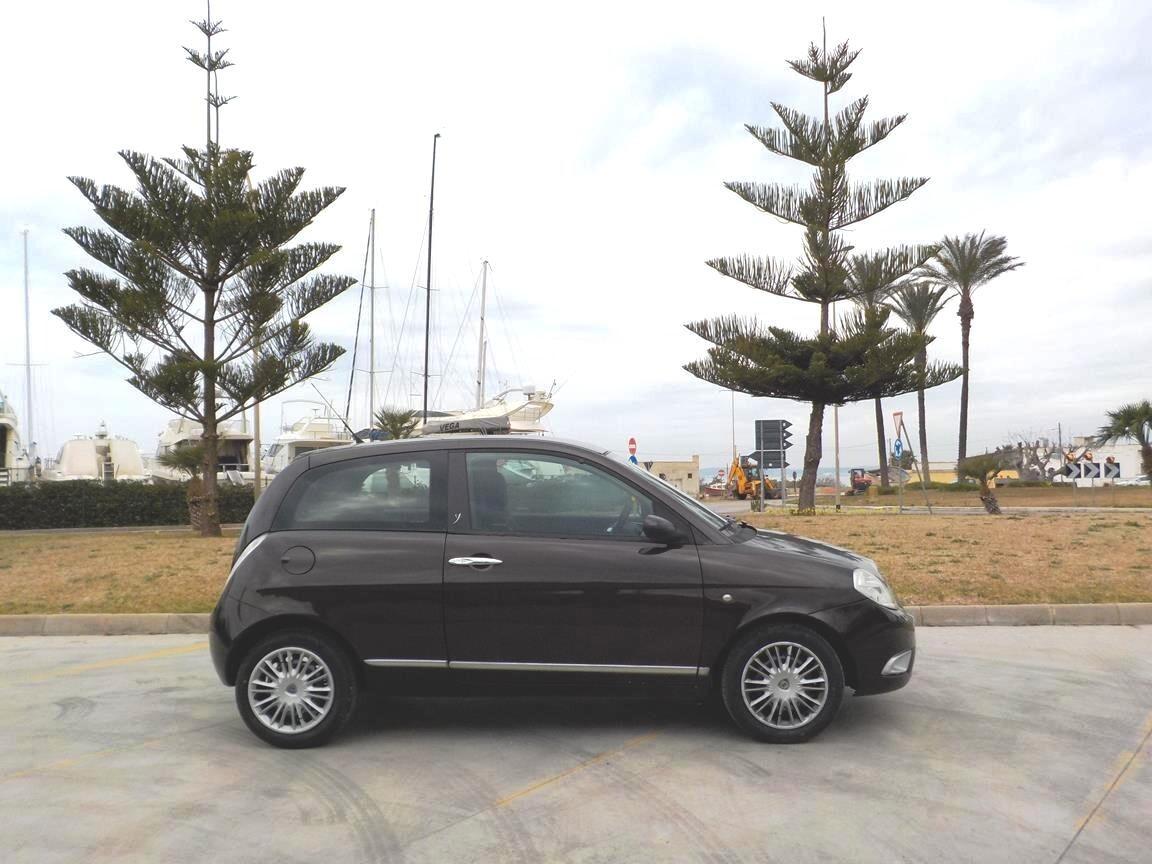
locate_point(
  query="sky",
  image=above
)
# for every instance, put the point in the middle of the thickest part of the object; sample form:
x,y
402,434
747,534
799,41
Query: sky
x,y
583,153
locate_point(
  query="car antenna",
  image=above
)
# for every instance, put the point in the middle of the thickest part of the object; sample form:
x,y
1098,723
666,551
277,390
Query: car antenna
x,y
338,416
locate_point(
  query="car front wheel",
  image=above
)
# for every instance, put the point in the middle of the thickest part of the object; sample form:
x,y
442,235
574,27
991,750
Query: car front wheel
x,y
782,683
295,689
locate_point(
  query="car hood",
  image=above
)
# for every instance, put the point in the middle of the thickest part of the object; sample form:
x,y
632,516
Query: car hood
x,y
815,551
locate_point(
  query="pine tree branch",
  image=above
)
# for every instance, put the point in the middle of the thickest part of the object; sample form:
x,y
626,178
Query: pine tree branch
x,y
785,202
764,274
865,200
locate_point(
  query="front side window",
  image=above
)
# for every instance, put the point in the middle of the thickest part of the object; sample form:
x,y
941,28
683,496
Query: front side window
x,y
534,494
401,492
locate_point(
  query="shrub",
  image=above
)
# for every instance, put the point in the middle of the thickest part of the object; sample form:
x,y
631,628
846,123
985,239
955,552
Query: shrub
x,y
91,504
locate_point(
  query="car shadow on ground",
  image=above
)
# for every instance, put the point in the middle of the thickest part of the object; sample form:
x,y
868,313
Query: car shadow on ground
x,y
379,714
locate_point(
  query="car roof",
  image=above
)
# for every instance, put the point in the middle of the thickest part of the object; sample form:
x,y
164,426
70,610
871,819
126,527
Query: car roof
x,y
452,442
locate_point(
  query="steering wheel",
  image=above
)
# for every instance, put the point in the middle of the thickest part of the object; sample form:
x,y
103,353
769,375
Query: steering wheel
x,y
622,519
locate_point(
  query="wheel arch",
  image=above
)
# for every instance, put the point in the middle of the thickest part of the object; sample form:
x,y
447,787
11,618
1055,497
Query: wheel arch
x,y
812,623
267,626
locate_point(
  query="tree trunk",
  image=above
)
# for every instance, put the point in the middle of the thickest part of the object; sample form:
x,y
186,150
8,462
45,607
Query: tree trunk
x,y
209,501
922,365
1146,460
881,450
988,497
812,454
195,497
210,509
966,314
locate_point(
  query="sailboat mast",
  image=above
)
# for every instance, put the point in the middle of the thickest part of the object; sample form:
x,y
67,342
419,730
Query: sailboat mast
x,y
372,321
27,350
428,280
481,352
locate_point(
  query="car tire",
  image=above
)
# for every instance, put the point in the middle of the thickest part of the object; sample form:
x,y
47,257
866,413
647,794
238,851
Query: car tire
x,y
296,689
782,683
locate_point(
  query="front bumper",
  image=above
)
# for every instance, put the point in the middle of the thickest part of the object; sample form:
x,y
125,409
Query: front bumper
x,y
873,636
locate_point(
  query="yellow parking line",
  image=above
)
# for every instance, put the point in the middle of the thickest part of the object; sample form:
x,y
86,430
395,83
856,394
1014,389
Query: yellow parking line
x,y
73,761
79,669
1121,766
600,757
69,762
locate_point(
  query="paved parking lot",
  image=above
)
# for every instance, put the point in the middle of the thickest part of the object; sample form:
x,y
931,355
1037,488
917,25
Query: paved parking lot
x,y
1011,744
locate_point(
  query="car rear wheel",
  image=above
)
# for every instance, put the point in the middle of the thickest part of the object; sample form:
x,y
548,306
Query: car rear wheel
x,y
295,689
782,683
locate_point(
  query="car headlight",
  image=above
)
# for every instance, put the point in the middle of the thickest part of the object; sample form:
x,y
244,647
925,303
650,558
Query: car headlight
x,y
873,586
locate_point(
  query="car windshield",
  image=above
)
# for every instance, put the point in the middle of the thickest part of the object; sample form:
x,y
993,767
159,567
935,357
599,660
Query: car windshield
x,y
710,516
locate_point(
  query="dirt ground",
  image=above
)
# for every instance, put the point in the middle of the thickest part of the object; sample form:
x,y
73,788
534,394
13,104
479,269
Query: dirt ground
x,y
1009,496
1060,558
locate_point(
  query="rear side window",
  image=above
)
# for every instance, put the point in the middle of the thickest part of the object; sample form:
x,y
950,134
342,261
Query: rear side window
x,y
402,492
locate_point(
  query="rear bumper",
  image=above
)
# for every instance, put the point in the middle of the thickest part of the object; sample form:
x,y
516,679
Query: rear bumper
x,y
219,642
873,636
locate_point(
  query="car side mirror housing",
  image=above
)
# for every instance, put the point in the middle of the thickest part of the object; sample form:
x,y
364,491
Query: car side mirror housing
x,y
660,530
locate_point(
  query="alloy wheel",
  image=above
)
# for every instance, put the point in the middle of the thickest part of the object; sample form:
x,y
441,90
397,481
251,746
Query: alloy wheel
x,y
290,690
785,685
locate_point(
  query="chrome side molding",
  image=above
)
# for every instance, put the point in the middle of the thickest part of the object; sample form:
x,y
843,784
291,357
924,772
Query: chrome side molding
x,y
408,664
494,666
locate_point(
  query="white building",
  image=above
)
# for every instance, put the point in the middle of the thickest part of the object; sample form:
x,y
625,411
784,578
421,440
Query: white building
x,y
1125,453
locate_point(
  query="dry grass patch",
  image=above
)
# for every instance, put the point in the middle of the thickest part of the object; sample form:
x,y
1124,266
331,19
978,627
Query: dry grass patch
x,y
1073,558
1061,558
111,572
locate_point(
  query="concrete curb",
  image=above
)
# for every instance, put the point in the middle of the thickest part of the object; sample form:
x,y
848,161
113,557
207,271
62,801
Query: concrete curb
x,y
143,624
1032,614
1023,615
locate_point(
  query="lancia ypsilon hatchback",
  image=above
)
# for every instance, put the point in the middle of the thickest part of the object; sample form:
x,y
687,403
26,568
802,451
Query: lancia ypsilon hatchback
x,y
496,564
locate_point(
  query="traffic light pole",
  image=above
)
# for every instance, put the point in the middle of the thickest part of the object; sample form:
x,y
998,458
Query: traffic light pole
x,y
762,478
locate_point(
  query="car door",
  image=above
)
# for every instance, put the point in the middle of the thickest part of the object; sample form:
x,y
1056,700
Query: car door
x,y
360,544
547,567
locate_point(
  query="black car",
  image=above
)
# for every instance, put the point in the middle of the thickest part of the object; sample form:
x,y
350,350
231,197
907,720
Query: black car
x,y
485,564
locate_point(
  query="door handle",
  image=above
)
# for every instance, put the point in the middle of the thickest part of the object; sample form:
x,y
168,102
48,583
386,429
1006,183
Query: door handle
x,y
475,561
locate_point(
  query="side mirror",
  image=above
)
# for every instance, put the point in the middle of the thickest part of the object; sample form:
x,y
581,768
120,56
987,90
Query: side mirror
x,y
660,530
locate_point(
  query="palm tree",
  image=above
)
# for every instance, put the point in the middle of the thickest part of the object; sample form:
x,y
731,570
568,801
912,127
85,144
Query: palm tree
x,y
866,277
188,459
917,304
963,264
984,469
1133,420
396,423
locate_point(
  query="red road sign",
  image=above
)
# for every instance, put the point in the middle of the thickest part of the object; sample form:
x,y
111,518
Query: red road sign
x,y
632,446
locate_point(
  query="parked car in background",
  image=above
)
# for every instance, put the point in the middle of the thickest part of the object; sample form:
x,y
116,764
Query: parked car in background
x,y
1138,480
495,564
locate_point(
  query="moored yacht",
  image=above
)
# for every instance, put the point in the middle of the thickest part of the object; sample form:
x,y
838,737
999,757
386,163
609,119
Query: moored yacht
x,y
521,409
309,433
13,459
98,457
233,450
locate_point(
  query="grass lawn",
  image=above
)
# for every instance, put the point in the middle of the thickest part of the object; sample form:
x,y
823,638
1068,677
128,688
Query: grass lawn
x,y
112,572
1049,558
1062,558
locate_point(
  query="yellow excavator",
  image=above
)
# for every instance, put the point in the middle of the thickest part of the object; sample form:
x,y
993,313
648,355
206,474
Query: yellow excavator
x,y
744,480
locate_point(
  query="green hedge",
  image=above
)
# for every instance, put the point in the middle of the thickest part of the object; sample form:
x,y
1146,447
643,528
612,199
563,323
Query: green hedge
x,y
90,504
